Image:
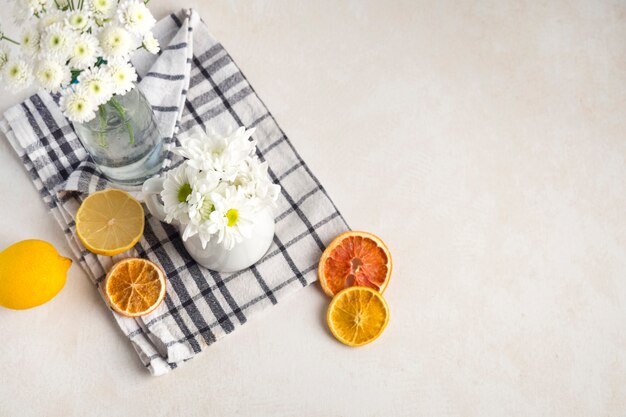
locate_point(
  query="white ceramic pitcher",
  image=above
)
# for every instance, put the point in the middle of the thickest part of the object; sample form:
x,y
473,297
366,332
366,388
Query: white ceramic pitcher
x,y
215,256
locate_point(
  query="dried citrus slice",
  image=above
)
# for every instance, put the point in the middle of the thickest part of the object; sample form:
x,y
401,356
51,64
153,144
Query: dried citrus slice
x,y
355,258
357,315
135,287
109,222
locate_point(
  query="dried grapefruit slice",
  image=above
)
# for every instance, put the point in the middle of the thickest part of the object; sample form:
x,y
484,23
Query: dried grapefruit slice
x,y
355,258
135,287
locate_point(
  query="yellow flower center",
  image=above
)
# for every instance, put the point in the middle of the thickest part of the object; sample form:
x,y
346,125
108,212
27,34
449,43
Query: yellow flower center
x,y
232,215
206,209
183,192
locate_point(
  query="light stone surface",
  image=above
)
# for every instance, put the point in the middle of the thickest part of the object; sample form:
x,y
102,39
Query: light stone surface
x,y
484,141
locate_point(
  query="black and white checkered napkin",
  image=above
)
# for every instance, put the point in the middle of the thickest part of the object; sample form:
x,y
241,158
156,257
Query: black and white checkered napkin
x,y
192,81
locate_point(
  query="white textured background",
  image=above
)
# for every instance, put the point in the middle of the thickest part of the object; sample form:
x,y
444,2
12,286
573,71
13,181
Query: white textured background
x,y
484,141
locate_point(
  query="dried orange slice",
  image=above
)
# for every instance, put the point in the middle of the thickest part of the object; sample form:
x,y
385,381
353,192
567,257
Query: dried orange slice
x,y
357,315
355,258
109,222
135,287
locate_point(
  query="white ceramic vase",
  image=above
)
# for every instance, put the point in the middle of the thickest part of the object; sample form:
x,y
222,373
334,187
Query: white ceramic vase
x,y
215,256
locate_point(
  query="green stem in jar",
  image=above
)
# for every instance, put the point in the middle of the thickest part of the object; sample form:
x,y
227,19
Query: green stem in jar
x,y
122,112
4,38
102,112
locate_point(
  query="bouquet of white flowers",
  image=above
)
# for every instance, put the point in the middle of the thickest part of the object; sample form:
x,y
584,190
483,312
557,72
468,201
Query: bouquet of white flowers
x,y
219,188
80,48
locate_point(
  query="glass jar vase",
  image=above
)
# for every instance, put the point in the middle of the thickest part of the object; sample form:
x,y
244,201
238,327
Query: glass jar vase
x,y
123,139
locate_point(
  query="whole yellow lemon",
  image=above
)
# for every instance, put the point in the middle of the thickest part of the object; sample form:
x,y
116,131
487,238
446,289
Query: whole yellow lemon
x,y
31,273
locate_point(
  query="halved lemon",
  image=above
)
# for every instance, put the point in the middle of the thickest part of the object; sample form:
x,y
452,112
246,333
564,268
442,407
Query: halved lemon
x,y
109,222
135,287
357,315
355,258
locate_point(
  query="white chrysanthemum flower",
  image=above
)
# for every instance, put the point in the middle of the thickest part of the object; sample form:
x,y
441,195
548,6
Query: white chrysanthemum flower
x,y
79,20
151,43
25,9
17,74
50,18
4,57
135,16
116,42
232,217
253,179
177,190
56,42
209,151
200,202
103,9
29,41
78,106
37,6
123,76
52,75
85,51
97,83
201,206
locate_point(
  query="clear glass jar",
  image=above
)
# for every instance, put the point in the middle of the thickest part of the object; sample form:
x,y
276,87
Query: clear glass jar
x,y
124,139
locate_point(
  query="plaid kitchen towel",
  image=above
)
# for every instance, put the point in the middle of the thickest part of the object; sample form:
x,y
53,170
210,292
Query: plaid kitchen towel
x,y
193,81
